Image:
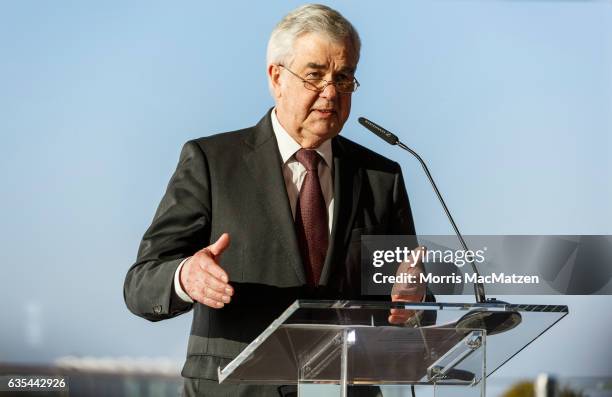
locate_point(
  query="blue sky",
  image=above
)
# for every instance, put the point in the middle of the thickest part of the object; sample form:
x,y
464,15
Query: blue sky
x,y
510,102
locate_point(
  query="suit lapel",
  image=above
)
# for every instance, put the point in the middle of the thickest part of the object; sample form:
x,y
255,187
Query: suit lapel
x,y
263,161
347,188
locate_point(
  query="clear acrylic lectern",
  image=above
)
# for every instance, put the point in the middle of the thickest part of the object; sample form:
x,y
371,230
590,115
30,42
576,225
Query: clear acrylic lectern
x,y
348,343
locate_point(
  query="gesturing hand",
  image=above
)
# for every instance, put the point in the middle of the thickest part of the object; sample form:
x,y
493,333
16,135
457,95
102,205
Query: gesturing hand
x,y
203,279
408,292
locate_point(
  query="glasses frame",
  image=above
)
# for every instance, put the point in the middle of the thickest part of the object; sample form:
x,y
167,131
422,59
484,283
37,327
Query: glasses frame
x,y
310,86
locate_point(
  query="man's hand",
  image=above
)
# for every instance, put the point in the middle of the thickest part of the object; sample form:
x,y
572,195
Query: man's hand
x,y
203,279
408,292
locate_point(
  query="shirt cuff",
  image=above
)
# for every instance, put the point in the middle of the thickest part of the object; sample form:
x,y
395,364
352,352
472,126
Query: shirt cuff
x,y
177,283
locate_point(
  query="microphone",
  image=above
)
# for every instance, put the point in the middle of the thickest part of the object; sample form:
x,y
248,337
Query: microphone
x,y
392,139
493,322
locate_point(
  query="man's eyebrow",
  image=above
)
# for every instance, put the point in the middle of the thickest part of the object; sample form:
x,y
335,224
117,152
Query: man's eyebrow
x,y
314,65
348,69
318,66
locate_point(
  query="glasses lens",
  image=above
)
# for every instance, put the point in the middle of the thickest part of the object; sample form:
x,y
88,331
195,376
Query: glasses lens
x,y
319,85
346,86
314,84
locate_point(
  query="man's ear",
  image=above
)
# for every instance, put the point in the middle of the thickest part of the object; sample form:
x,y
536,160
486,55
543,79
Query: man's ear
x,y
274,80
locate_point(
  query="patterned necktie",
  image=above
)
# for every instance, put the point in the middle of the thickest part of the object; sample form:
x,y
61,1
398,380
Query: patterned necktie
x,y
311,218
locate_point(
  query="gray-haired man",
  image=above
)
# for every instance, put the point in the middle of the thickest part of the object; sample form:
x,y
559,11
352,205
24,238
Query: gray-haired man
x,y
293,197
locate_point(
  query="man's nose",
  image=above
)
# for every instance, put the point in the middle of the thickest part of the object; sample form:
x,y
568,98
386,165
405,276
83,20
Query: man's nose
x,y
330,91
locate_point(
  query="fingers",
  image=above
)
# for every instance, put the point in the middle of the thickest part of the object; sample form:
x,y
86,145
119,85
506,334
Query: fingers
x,y
403,316
209,290
212,288
413,289
407,298
204,280
210,267
220,245
216,285
209,296
400,316
206,300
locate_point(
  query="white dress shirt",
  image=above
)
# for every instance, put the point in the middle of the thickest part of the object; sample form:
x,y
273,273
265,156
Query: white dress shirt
x,y
293,173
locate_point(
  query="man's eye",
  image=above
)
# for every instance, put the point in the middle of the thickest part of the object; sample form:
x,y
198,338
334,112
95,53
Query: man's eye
x,y
313,75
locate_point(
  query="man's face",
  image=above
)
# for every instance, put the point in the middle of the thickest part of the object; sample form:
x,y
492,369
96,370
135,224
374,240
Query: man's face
x,y
312,117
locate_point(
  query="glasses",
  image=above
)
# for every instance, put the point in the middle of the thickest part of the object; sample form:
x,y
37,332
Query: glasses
x,y
343,86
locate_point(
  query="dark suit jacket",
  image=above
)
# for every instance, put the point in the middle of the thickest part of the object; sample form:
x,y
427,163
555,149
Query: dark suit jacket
x,y
233,183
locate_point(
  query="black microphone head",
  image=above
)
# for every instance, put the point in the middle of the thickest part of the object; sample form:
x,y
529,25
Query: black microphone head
x,y
387,136
491,321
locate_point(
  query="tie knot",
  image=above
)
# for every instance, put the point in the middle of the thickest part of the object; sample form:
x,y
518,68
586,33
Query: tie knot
x,y
308,158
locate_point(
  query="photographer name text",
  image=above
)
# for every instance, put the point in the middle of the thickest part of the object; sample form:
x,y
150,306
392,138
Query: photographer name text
x,y
493,278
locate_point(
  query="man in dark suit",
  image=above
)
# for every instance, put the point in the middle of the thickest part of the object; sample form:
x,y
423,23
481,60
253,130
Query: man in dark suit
x,y
256,218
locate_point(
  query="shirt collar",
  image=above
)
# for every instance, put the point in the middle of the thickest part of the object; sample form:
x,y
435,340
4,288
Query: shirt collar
x,y
288,146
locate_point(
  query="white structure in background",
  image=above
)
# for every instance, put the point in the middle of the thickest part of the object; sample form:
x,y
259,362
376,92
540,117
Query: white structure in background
x,y
150,366
546,385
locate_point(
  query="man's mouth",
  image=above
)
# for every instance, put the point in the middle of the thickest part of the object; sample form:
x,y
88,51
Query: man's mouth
x,y
325,111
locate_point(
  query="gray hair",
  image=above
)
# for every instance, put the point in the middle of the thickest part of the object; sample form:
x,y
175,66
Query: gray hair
x,y
309,18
